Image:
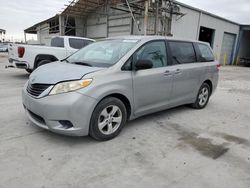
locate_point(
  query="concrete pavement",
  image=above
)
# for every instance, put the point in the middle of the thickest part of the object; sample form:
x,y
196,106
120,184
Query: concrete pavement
x,y
180,147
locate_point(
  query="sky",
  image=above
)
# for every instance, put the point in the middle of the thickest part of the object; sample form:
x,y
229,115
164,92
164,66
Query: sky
x,y
235,10
17,15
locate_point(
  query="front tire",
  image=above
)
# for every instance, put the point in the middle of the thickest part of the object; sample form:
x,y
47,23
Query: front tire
x,y
108,119
203,97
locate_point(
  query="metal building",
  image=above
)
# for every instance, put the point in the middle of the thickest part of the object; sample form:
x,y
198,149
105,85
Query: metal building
x,y
105,18
2,35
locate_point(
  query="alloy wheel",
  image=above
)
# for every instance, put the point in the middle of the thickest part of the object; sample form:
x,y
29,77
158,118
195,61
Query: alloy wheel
x,y
203,96
110,119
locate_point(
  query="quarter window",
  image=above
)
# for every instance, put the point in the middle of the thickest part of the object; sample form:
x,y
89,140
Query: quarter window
x,y
182,52
78,43
57,42
205,53
153,51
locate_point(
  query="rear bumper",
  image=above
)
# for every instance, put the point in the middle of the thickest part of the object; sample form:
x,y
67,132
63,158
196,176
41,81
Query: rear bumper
x,y
49,112
19,64
215,82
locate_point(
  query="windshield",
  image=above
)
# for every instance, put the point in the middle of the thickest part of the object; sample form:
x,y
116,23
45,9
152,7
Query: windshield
x,y
102,54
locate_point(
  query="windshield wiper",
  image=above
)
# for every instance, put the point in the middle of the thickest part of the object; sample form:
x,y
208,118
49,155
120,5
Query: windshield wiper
x,y
65,59
82,63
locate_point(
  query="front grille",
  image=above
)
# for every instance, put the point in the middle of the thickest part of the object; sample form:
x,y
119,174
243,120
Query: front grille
x,y
37,89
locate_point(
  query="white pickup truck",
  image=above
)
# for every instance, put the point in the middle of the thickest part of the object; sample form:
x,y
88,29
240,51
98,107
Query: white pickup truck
x,y
29,57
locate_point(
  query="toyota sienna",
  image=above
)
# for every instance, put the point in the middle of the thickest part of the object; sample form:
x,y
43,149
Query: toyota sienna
x,y
100,87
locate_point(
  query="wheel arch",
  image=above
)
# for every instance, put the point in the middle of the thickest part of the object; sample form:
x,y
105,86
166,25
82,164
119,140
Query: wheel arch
x,y
209,82
123,98
41,57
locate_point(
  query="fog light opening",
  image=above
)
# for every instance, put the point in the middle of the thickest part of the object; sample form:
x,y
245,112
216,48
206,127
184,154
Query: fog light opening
x,y
66,124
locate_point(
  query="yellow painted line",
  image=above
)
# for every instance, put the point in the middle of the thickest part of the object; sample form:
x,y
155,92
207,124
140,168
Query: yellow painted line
x,y
237,61
216,56
225,59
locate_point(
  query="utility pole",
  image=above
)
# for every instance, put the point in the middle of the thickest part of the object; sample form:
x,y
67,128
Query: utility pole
x,y
171,6
146,17
157,17
25,38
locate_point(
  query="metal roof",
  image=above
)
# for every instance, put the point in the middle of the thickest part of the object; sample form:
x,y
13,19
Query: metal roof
x,y
85,7
32,29
245,27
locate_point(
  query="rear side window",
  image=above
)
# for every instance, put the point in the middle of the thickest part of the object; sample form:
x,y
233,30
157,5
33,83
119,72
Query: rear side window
x,y
57,42
182,52
78,43
205,53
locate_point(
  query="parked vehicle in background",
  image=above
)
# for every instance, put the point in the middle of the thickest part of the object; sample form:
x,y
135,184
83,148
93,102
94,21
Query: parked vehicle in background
x,y
30,57
245,61
3,47
96,90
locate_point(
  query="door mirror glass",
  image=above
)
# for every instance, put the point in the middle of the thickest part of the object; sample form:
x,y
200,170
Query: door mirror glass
x,y
143,64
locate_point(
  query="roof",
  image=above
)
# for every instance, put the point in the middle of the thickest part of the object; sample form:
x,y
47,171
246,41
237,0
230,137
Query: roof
x,y
32,29
82,8
245,27
153,37
85,7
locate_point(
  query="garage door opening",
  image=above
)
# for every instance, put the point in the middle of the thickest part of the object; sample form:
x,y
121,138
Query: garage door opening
x,y
227,49
207,35
244,48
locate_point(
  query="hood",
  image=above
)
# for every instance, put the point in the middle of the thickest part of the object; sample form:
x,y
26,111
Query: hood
x,y
53,73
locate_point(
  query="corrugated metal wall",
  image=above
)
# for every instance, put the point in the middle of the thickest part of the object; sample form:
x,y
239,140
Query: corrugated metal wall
x,y
189,27
119,25
96,27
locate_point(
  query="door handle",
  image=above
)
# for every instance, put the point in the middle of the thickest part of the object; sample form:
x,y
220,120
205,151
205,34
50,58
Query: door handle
x,y
168,73
178,71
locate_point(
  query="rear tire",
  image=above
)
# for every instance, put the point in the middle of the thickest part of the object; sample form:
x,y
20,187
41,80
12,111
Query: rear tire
x,y
203,97
108,119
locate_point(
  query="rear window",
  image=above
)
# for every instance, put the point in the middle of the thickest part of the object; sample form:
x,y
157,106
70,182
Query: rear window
x,y
78,43
182,52
57,42
205,53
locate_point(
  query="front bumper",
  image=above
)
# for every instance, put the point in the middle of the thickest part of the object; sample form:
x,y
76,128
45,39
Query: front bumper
x,y
19,64
48,112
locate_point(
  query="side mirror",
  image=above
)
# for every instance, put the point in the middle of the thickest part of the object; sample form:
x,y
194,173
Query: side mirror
x,y
143,64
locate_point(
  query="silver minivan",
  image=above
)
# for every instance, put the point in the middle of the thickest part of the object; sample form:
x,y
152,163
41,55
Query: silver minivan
x,y
100,87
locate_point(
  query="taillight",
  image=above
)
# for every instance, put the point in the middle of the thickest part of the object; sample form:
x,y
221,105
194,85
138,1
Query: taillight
x,y
218,67
21,51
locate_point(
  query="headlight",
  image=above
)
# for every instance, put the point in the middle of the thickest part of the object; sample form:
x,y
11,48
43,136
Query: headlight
x,y
65,87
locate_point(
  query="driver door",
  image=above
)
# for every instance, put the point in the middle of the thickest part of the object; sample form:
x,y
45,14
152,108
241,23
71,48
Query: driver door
x,y
152,87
